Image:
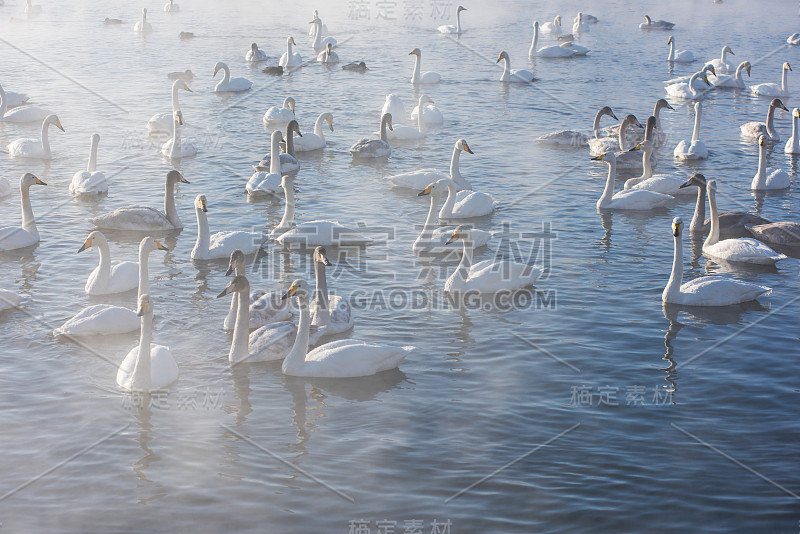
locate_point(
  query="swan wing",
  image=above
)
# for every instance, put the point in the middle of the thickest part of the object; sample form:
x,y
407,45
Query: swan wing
x,y
100,319
351,358
14,237
133,218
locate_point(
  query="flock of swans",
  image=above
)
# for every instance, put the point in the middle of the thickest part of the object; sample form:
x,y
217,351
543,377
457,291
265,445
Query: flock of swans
x,y
262,324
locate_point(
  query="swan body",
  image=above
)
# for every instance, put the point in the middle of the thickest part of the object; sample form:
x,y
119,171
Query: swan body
x,y
371,147
176,147
148,366
282,114
793,39
729,222
171,7
449,29
465,204
746,250
678,56
554,27
601,145
267,183
220,244
91,181
650,24
768,178
331,313
693,149
35,148
578,26
780,233
407,133
27,235
627,199
721,64
320,42
688,90
146,219
14,100
288,159
100,320
163,122
434,240
707,290
793,143
265,308
340,359
228,84
489,276
20,114
660,183
774,89
289,58
574,138
732,82
513,75
431,115
394,106
328,56
254,55
417,76
108,278
143,26
9,300
316,140
421,178
553,51
767,129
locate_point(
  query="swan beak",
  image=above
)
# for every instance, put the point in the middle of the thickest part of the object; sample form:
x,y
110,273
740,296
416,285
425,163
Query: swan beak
x,y
228,289
142,309
183,180
788,66
676,229
180,120
669,41
58,123
637,147
747,68
796,112
38,181
453,237
330,125
216,70
711,68
688,183
326,261
298,133
499,58
467,149
705,79
86,244
290,293
186,88
670,107
230,269
598,158
426,191
159,246
614,116
731,52
782,105
293,42
204,206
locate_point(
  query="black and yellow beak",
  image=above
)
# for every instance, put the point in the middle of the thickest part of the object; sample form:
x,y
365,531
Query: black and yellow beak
x,y
453,237
426,191
635,148
37,181
142,309
159,246
204,206
86,244
467,149
598,157
183,180
676,229
292,291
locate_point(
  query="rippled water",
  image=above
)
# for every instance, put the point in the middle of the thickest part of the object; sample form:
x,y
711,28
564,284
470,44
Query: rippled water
x,y
590,408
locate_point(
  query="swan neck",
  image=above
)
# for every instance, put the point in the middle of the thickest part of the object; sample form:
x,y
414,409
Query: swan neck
x,y
608,192
459,276
723,54
507,68
45,137
141,379
288,209
761,175
322,314
671,56
699,218
623,128
458,21
415,73
93,155
455,170
175,149
696,131
104,268
144,272
3,102
771,121
289,142
534,42
384,122
647,166
169,204
203,233
449,203
430,220
175,87
795,139
297,356
785,81
694,78
275,155
318,126
713,234
240,347
676,277
596,124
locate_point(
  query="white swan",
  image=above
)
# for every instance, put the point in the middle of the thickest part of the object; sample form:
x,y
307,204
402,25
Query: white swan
x,y
660,183
328,56
394,106
176,147
143,26
678,56
512,75
774,89
422,77
268,183
707,290
407,133
434,240
768,177
756,129
578,26
140,218
430,113
148,366
650,24
220,244
288,158
35,148
793,143
575,138
720,63
254,55
601,145
735,82
627,199
171,7
316,140
695,148
312,233
367,147
688,90
276,115
313,28
321,43
660,136
20,114
421,178
746,250
793,39
340,359
162,122
107,277
228,84
449,28
465,204
697,83
488,276
554,27
91,181
553,51
27,235
265,307
289,58
330,312
9,299
729,222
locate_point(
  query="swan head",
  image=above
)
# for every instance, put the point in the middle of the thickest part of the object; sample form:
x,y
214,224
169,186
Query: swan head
x,y
236,262
462,231
218,67
461,144
631,120
95,138
290,40
696,179
293,126
677,223
536,24
316,14
53,119
416,52
288,102
708,67
606,110
746,65
254,49
28,179
239,284
728,50
435,188
647,19
663,104
712,186
424,99
786,66
329,120
320,256
149,244
609,157
200,203
145,305
329,47
796,113
174,177
287,180
387,118
460,9
777,103
557,20
503,55
643,146
299,288
762,140
178,116
144,11
94,238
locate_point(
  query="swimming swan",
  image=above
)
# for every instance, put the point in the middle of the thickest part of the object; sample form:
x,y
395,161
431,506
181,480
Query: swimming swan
x,y
254,55
330,312
162,122
289,58
228,84
678,56
574,138
554,27
321,43
276,115
773,89
288,158
735,82
316,140
552,51
91,181
720,63
27,235
108,278
367,147
756,129
328,56
650,24
730,222
688,90
407,133
695,148
430,113
265,307
515,75
465,204
449,28
793,143
578,26
176,147
768,178
171,7
422,77
434,240
143,26
422,177
780,233
706,290
627,199
20,114
220,244
602,145
35,148
395,107
268,183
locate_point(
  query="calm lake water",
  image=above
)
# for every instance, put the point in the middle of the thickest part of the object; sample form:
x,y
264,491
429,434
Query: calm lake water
x,y
590,407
